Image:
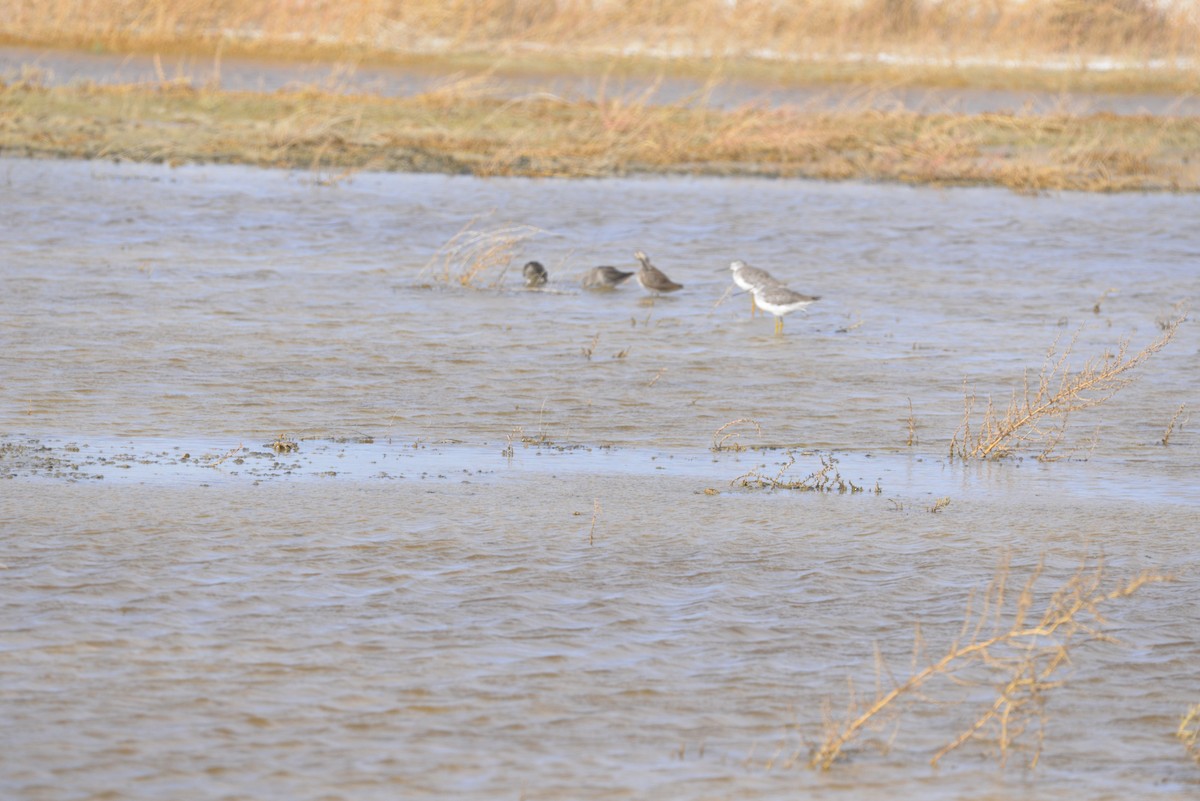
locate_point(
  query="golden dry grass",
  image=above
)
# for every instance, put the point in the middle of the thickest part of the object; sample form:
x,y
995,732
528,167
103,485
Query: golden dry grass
x,y
463,132
811,39
1189,732
473,253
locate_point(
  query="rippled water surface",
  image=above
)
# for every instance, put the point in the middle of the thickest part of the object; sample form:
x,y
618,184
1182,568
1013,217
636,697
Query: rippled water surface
x,y
504,560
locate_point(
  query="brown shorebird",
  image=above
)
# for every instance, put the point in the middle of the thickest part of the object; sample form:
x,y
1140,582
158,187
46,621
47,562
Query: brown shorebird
x,y
652,278
604,278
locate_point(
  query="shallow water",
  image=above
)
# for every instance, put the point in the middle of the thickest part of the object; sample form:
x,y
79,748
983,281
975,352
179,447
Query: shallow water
x,y
59,67
498,567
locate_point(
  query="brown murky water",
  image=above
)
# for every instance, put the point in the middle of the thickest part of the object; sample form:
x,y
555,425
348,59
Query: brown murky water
x,y
496,567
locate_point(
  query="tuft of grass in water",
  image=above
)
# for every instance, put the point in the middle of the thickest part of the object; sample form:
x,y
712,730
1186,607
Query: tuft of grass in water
x,y
1037,414
1175,419
726,437
912,426
1017,645
471,254
589,349
1189,732
284,443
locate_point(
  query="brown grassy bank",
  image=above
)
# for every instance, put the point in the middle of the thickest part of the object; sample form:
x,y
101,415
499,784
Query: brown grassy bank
x,y
926,42
546,136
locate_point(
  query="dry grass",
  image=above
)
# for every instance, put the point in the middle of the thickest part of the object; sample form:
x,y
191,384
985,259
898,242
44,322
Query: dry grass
x,y
726,437
1016,643
1037,414
826,35
1189,732
471,254
1179,419
546,136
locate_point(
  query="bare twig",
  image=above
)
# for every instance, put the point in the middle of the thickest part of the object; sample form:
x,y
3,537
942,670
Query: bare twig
x,y
228,454
721,438
595,516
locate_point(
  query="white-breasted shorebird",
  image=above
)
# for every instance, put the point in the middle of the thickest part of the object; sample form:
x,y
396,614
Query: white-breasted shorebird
x,y
779,300
747,278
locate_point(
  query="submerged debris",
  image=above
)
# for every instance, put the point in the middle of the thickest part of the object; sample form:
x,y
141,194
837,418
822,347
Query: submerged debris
x,y
826,479
284,443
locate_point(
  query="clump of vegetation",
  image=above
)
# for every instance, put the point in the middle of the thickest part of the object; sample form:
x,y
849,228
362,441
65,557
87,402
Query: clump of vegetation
x,y
284,443
472,254
1189,732
1018,645
1037,413
827,478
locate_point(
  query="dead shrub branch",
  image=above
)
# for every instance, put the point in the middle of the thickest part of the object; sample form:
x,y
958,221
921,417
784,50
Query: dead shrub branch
x,y
1038,412
1022,657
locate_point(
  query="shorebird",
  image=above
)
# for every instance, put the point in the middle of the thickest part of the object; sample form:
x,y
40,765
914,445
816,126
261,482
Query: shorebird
x,y
535,274
604,277
652,278
747,278
779,300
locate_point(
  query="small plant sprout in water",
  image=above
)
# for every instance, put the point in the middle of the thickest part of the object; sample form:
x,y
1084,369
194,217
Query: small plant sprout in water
x,y
1179,419
726,437
1038,412
588,350
1016,643
912,426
